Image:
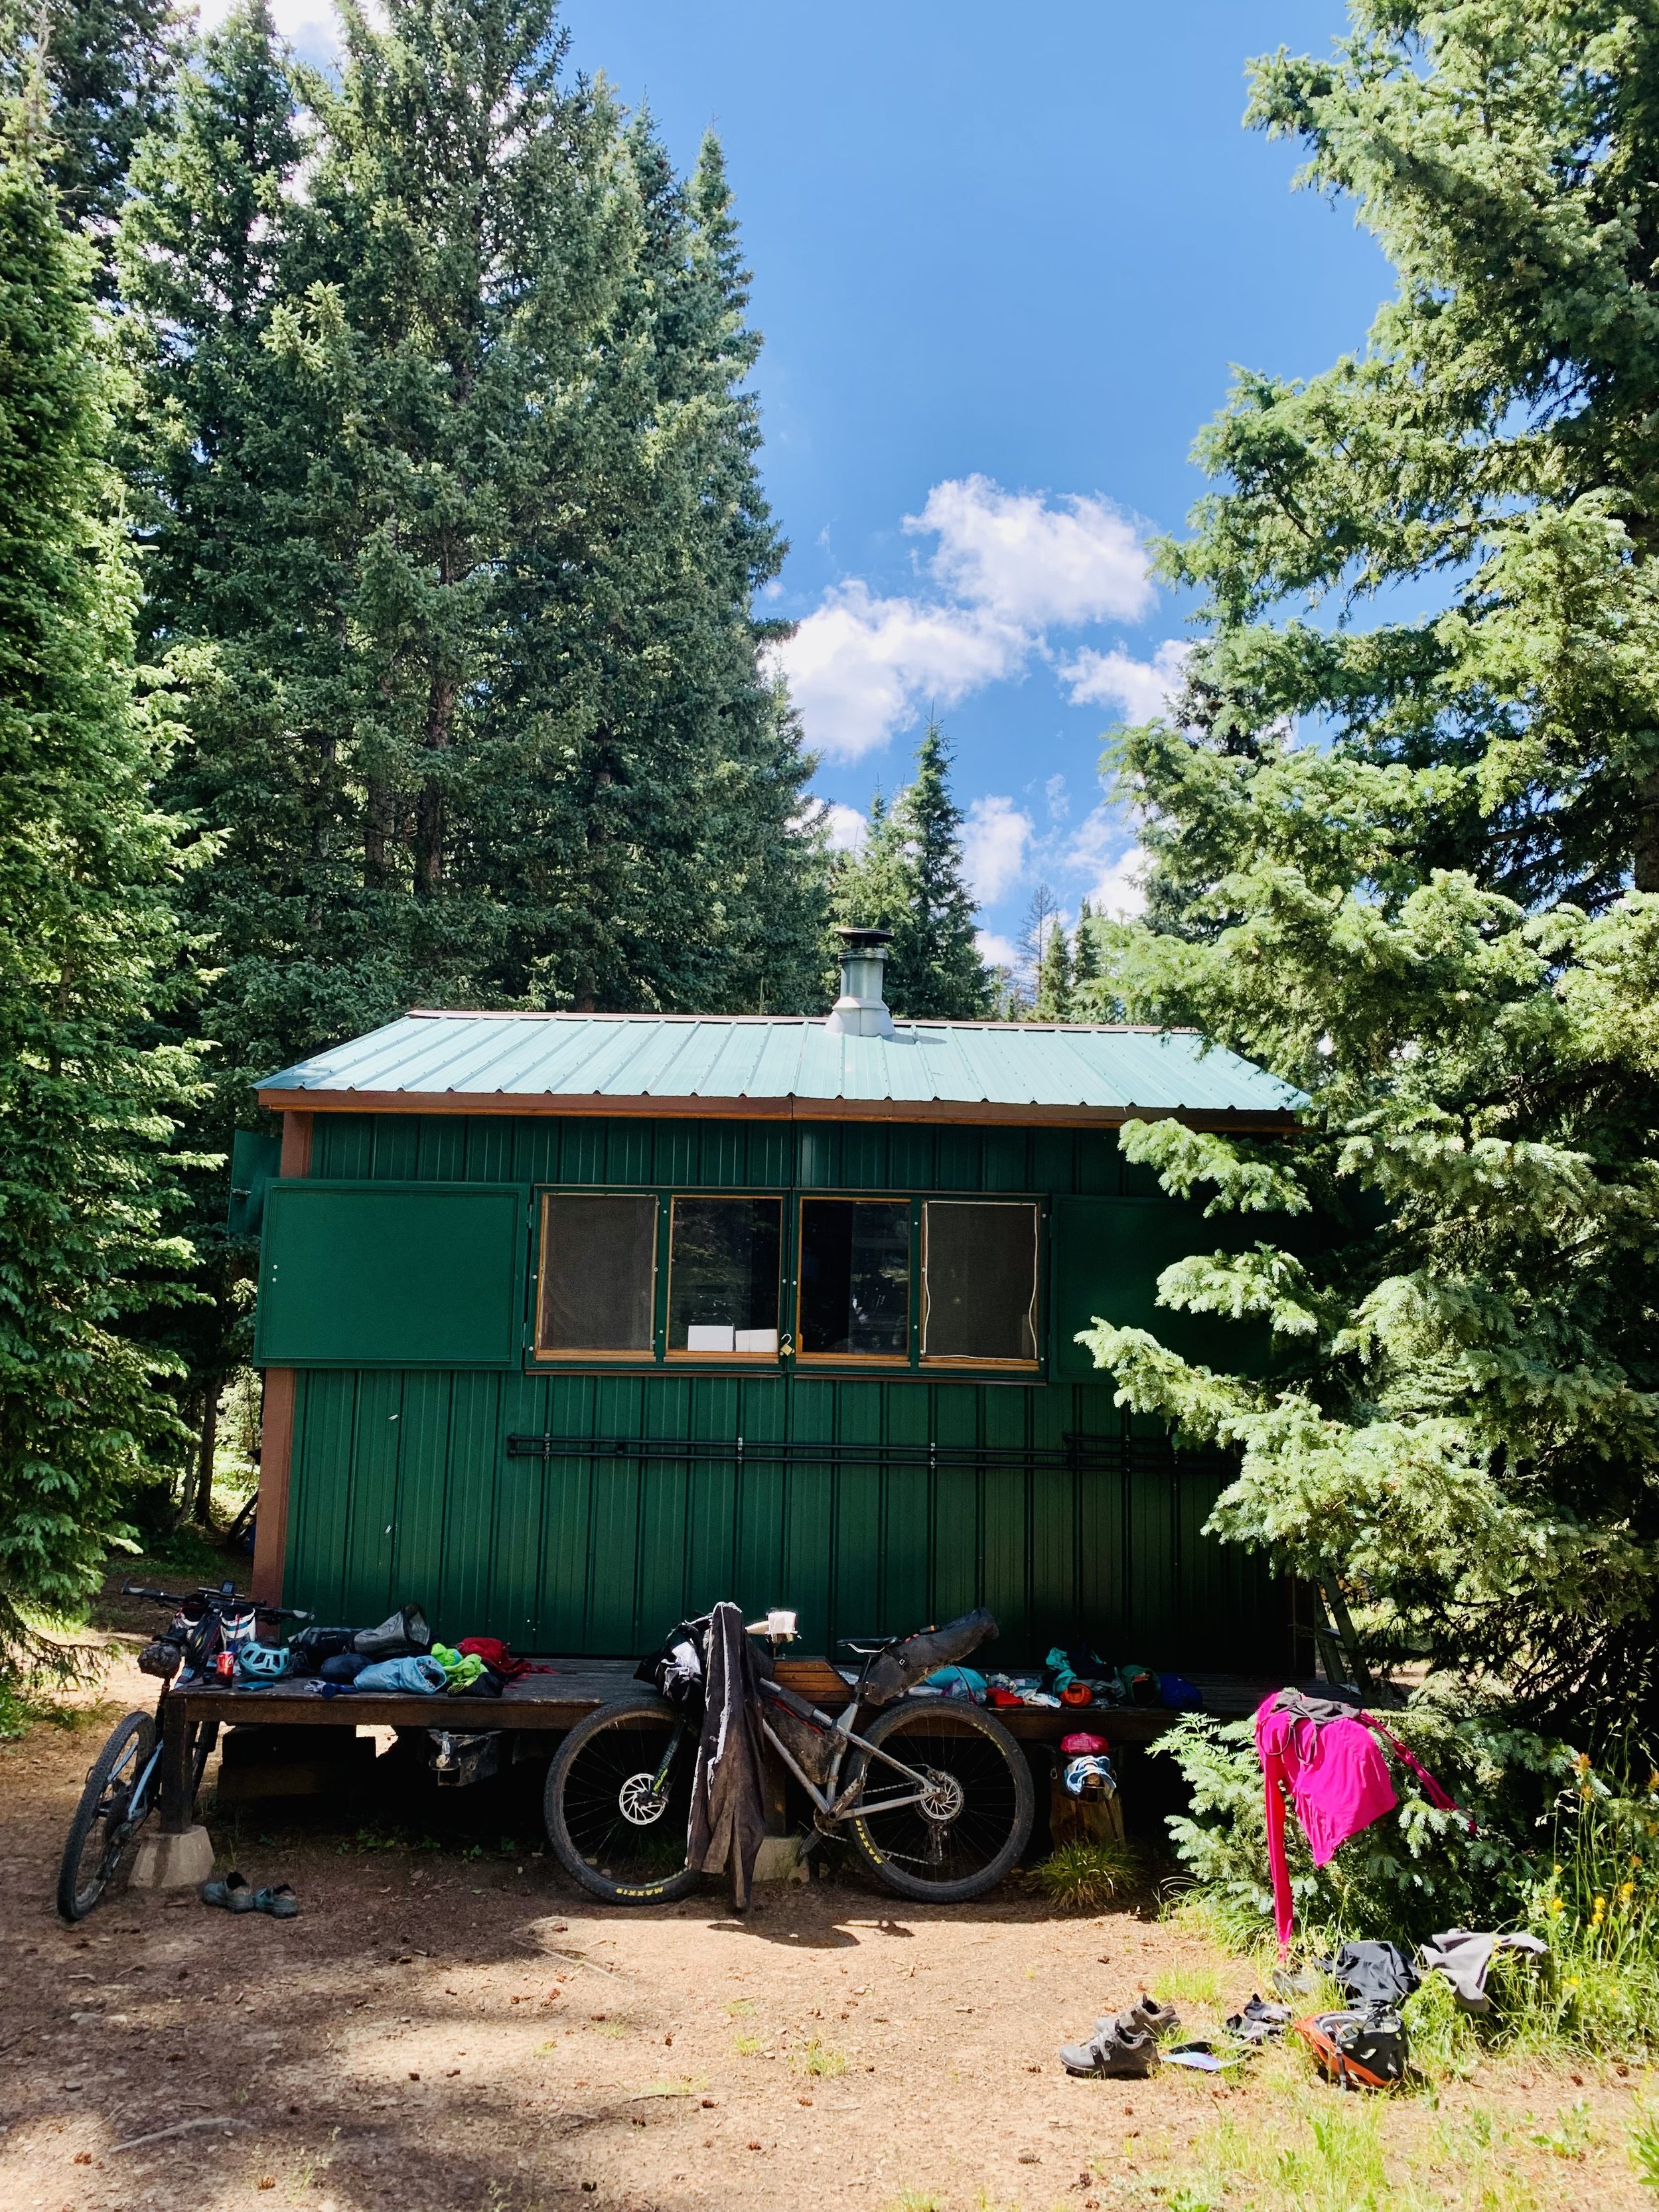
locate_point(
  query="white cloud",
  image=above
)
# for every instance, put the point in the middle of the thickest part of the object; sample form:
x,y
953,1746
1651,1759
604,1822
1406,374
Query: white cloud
x,y
994,842
309,26
996,952
1120,890
1139,688
1028,563
844,827
859,667
1008,566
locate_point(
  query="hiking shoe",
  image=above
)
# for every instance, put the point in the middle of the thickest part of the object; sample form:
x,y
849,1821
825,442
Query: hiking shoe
x,y
1114,2052
280,1903
231,1891
1157,2020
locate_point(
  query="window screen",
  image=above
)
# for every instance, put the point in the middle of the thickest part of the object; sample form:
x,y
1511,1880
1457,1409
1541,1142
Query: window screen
x,y
855,1277
979,1280
723,1275
598,1268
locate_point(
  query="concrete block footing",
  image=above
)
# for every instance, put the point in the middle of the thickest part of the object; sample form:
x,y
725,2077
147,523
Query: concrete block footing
x,y
173,1862
782,1858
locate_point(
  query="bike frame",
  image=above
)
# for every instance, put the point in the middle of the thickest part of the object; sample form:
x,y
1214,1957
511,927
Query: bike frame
x,y
830,1804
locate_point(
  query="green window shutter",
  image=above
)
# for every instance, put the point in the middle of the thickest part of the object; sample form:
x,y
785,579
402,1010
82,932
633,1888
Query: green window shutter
x,y
1108,1255
391,1275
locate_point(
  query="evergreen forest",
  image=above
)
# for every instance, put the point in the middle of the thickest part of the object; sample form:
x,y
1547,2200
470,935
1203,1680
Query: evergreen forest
x,y
382,533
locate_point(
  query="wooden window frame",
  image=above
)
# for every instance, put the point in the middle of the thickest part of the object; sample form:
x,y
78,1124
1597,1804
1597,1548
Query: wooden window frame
x,y
559,1357
963,1364
886,1362
745,1362
788,1359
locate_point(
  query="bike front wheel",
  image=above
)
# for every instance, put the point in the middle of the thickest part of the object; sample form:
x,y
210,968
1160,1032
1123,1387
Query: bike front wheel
x,y
104,1825
974,1817
618,1802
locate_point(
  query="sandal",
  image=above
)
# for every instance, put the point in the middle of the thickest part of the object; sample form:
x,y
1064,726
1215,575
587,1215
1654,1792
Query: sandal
x,y
230,1890
280,1903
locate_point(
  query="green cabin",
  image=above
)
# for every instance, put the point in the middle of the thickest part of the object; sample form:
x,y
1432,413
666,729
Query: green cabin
x,y
573,1323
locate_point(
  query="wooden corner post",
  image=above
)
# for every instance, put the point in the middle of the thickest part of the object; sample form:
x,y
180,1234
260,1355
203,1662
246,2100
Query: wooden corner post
x,y
277,1426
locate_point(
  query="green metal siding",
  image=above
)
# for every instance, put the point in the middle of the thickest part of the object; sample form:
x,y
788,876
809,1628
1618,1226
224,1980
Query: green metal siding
x,y
401,1485
417,1274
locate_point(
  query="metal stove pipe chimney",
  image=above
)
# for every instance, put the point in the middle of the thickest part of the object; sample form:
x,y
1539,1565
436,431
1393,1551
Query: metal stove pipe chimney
x,y
861,1011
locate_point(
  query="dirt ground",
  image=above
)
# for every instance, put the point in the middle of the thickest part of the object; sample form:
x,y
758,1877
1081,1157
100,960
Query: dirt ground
x,y
449,2023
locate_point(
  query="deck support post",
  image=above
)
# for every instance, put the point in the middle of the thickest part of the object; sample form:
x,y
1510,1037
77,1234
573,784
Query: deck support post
x,y
176,1806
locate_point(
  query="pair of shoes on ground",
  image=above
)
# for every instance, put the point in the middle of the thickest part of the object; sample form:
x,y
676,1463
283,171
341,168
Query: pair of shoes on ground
x,y
1124,2045
233,1891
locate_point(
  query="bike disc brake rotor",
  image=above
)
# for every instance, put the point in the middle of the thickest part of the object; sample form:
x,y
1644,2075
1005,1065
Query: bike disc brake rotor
x,y
642,1803
943,1799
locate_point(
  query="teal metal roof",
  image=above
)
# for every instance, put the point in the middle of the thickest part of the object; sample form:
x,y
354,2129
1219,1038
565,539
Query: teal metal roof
x,y
689,1063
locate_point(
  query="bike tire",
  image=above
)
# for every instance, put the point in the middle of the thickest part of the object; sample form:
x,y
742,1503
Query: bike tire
x,y
971,1852
610,1855
92,1856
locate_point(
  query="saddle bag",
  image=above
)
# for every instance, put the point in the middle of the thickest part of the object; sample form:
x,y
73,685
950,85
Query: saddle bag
x,y
903,1665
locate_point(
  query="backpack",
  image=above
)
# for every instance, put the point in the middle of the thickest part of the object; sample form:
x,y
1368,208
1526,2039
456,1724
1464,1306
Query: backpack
x,y
1369,2050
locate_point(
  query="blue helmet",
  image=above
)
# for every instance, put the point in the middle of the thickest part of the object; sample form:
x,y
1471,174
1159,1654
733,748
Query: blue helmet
x,y
263,1662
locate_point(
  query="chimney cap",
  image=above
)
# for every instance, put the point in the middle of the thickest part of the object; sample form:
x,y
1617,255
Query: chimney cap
x,y
855,939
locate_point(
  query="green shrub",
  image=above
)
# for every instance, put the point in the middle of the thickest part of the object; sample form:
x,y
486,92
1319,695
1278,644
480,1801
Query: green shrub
x,y
1417,1869
1087,1877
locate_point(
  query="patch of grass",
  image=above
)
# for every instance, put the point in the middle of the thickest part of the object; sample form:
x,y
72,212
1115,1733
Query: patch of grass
x,y
1445,2046
1643,2146
1572,2134
681,2085
613,2027
820,2058
747,2046
1187,1983
1087,1877
916,2200
738,2008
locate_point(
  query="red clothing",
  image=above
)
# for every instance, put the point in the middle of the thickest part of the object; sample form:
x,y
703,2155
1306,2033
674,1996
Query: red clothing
x,y
1337,1779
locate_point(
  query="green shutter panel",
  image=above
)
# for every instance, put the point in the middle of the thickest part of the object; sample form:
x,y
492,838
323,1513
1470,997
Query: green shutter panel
x,y
391,1275
1108,1255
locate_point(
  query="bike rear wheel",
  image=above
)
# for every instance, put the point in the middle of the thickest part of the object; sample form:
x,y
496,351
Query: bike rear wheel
x,y
612,1830
103,1828
976,1817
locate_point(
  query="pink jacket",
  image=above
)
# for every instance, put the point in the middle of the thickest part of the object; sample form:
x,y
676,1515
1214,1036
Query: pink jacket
x,y
1337,1779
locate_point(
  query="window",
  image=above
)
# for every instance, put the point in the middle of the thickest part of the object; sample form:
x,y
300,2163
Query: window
x,y
723,1276
855,1278
979,1280
599,1273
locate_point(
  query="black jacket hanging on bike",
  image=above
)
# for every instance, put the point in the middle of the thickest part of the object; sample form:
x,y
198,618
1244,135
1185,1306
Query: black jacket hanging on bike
x,y
728,1805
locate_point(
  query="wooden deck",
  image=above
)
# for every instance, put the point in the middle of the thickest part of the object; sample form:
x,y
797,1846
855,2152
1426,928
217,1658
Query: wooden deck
x,y
556,1700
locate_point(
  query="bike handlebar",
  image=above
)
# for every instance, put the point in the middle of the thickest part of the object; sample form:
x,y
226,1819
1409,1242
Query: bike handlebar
x,y
222,1600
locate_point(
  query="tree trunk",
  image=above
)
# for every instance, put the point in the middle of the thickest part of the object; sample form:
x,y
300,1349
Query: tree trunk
x,y
209,1445
1646,853
377,827
429,826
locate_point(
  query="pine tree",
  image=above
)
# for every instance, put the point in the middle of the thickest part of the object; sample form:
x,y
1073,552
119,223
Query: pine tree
x,y
908,879
1053,1000
446,470
1085,960
85,929
1423,920
108,68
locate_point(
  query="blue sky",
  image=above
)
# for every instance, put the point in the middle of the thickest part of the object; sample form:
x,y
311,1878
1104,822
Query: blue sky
x,y
1003,260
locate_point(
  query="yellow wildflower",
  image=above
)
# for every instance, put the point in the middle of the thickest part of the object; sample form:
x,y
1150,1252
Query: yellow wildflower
x,y
1582,1763
1627,1890
1555,1905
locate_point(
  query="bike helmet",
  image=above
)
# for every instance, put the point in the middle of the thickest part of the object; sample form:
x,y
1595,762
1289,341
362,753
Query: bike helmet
x,y
263,1662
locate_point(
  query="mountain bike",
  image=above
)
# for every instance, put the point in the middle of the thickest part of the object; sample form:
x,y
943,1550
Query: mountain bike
x,y
122,1785
934,1792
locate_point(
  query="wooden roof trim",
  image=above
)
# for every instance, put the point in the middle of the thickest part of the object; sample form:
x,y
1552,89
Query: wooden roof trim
x,y
957,1111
